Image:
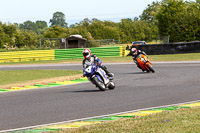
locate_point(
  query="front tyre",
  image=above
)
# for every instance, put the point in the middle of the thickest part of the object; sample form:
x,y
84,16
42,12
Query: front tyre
x,y
99,84
111,86
150,68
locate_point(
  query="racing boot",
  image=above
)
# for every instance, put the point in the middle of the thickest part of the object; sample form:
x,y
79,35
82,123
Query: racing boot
x,y
107,72
110,74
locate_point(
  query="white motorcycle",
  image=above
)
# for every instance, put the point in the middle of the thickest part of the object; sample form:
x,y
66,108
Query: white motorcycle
x,y
98,77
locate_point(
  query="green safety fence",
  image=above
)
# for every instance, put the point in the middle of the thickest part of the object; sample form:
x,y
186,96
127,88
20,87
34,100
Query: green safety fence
x,y
77,52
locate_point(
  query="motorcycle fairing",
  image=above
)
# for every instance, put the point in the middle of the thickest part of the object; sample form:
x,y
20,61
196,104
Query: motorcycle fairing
x,y
103,75
143,61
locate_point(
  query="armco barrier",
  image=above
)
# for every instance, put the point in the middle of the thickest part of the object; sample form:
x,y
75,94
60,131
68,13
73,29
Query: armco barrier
x,y
27,56
57,54
77,52
122,51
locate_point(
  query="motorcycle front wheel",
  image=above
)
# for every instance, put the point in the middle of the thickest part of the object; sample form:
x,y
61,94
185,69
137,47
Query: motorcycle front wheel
x,y
111,86
99,84
150,68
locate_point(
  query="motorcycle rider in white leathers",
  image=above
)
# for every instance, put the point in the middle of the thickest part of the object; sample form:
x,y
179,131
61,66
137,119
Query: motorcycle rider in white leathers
x,y
90,59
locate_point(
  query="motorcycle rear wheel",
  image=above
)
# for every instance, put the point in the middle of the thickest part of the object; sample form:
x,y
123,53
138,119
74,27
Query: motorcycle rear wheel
x,y
150,68
99,84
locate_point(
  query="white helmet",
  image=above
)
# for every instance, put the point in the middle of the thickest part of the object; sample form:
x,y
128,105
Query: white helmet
x,y
86,53
134,51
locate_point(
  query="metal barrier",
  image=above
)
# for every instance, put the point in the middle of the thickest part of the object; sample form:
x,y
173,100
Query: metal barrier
x,y
77,52
20,56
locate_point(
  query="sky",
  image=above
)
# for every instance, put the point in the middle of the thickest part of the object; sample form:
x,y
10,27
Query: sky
x,y
19,11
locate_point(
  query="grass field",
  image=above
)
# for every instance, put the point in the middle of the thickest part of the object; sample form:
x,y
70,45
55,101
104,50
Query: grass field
x,y
22,76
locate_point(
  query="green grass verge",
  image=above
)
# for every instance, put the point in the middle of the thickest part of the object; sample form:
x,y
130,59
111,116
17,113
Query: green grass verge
x,y
21,76
176,57
177,121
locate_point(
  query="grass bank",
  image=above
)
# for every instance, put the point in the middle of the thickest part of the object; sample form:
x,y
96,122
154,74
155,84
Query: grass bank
x,y
177,121
21,76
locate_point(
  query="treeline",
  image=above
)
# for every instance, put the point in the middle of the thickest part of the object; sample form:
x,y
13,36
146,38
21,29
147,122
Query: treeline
x,y
175,18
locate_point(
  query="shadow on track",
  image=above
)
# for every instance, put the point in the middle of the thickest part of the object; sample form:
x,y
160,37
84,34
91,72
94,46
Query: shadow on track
x,y
86,91
136,73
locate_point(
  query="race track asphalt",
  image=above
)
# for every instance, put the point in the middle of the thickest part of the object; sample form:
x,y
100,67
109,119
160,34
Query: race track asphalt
x,y
171,83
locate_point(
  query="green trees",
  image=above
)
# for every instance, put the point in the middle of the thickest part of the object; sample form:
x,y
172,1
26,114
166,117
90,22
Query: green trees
x,y
99,30
28,25
167,17
126,31
7,35
11,37
27,39
55,32
41,24
150,12
134,30
37,27
58,19
180,20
